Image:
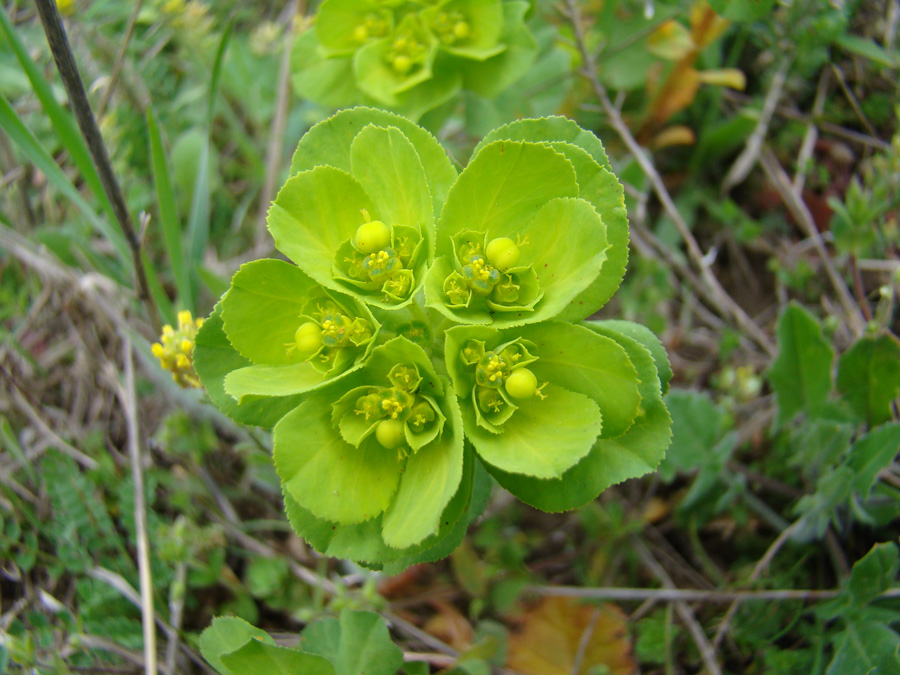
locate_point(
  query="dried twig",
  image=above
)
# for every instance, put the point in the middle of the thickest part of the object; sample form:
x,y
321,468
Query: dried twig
x,y
128,396
707,653
798,209
279,122
723,302
68,70
745,161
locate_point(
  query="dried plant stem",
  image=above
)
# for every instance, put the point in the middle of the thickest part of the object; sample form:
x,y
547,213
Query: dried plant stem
x,y
279,122
68,70
148,614
707,653
120,59
686,595
801,214
724,303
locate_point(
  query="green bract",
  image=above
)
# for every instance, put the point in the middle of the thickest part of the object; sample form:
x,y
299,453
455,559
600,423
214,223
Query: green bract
x,y
411,56
424,340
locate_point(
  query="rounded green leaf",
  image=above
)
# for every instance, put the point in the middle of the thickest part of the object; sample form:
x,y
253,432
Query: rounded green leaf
x,y
277,381
314,213
869,377
504,186
544,438
328,143
363,542
225,635
430,479
490,77
333,479
215,359
611,460
584,361
386,164
256,656
646,338
263,310
314,76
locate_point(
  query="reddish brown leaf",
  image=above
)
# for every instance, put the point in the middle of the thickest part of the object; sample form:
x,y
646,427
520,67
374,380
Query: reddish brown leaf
x,y
548,642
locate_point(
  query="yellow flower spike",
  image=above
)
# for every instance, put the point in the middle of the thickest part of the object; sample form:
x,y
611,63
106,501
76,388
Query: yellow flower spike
x,y
176,348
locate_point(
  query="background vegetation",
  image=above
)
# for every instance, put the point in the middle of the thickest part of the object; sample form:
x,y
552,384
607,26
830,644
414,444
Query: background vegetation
x,y
757,142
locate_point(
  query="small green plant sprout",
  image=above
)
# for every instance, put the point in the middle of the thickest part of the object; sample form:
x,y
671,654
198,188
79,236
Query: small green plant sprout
x,y
411,56
432,335
175,350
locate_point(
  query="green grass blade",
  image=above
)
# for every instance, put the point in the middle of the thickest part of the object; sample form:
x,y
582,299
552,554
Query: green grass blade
x,y
198,222
217,71
62,121
166,309
168,213
37,155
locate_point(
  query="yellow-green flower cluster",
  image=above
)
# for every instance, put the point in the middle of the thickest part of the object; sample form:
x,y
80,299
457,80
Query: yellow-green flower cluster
x,y
175,350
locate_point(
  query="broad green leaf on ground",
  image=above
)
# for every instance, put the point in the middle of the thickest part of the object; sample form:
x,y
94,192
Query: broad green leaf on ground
x,y
214,359
873,574
356,644
612,460
551,635
866,648
329,142
869,377
801,373
872,453
698,425
257,657
225,635
868,643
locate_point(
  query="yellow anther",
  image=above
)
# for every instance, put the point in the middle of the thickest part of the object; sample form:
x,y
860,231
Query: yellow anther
x,y
176,347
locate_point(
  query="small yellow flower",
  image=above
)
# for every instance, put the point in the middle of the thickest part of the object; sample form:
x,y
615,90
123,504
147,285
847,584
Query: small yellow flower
x,y
175,350
66,7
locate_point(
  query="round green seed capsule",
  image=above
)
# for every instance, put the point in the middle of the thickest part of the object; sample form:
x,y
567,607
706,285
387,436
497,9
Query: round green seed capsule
x,y
390,433
461,30
502,253
371,237
402,64
521,383
308,339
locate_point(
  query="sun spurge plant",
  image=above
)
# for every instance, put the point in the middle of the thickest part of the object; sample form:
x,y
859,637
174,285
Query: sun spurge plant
x,y
430,332
411,56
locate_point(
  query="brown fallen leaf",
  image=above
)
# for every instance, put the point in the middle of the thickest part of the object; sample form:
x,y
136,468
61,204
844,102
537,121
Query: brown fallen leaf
x,y
450,626
552,631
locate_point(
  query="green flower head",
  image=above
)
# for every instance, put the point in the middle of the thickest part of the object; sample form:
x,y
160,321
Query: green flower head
x,y
360,219
425,309
411,56
296,334
384,443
